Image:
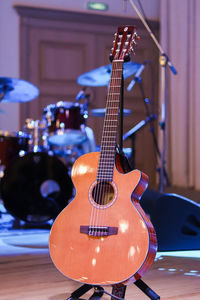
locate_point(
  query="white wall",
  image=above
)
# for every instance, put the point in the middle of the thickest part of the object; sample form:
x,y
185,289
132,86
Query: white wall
x,y
9,62
9,33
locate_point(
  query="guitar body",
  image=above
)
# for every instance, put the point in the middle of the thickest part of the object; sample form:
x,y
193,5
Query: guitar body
x,y
121,257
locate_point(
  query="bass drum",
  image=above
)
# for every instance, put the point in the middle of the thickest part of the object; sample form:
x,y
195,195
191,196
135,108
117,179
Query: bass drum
x,y
36,187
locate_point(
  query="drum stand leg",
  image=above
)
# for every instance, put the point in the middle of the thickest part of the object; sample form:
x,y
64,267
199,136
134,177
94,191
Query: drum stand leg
x,y
118,291
98,292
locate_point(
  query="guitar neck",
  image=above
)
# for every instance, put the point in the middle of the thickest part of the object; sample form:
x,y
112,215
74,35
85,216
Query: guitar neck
x,y
110,127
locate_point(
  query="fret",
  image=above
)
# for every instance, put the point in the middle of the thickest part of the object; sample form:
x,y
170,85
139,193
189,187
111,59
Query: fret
x,y
107,155
108,139
115,86
105,177
110,131
116,79
107,159
105,171
112,109
106,146
115,120
104,138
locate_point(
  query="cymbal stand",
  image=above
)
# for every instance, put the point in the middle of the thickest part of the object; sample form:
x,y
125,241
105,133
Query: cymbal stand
x,y
164,62
151,117
131,134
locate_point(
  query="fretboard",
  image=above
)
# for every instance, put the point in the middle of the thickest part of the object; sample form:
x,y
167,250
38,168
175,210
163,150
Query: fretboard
x,y
110,127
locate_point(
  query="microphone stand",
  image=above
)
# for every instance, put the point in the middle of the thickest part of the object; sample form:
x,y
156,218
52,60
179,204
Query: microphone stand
x,y
164,62
152,117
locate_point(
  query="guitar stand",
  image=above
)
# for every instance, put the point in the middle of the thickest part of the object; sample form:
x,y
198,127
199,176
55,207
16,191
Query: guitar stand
x,y
118,291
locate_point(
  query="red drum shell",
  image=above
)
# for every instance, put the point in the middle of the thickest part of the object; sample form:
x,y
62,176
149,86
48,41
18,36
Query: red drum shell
x,y
66,123
11,144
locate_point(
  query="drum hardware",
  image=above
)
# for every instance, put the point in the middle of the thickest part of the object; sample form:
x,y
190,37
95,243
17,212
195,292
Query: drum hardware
x,y
37,131
17,90
132,134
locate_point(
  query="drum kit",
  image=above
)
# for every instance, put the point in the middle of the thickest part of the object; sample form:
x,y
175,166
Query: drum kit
x,y
35,163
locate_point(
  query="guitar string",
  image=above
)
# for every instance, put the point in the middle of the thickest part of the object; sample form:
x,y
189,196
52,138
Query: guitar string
x,y
114,121
102,189
108,149
96,194
99,187
111,144
113,110
109,138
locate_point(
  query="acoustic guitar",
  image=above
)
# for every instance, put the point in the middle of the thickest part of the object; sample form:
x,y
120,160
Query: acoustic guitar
x,y
103,236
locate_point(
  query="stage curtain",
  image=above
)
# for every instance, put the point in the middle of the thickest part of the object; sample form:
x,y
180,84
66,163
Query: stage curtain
x,y
180,37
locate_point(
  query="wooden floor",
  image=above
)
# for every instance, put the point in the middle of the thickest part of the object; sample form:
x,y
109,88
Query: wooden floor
x,y
26,272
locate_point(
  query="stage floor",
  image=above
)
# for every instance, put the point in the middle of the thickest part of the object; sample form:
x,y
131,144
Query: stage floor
x,y
26,271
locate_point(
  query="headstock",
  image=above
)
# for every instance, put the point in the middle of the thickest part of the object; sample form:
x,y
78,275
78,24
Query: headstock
x,y
124,43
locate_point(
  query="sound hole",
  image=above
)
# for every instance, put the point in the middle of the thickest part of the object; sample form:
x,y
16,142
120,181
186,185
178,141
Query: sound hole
x,y
103,193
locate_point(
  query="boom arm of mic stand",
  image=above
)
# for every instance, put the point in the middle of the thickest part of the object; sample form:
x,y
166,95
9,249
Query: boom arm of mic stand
x,y
172,68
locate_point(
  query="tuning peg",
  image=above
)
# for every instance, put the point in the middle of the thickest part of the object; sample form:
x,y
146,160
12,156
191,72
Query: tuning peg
x,y
136,36
132,50
133,43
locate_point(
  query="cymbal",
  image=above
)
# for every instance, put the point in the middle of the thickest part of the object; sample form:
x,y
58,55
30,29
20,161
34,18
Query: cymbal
x,y
101,76
17,90
100,112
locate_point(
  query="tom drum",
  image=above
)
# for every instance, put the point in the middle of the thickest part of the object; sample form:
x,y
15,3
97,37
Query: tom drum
x,y
66,123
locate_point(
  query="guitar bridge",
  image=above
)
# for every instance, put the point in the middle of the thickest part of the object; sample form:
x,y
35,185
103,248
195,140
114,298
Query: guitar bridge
x,y
98,230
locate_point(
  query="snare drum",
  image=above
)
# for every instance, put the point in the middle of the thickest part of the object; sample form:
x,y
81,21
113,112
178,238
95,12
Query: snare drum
x,y
11,143
66,123
36,187
69,153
